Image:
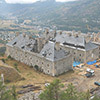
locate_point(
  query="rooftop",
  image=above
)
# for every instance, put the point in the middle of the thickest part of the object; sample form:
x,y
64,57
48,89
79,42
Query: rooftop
x,y
50,52
75,42
23,42
70,39
90,46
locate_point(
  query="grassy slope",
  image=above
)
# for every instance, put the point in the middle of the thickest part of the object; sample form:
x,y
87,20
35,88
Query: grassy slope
x,y
39,79
10,74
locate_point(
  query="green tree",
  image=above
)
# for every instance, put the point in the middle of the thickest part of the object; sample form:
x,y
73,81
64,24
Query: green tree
x,y
55,92
16,67
3,60
52,92
4,93
13,92
96,98
87,95
71,93
7,94
36,67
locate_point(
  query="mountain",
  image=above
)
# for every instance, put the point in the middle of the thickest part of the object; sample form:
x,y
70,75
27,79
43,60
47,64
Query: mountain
x,y
2,1
81,15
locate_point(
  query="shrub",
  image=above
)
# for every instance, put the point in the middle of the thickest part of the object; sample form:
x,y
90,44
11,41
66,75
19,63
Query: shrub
x,y
6,93
3,60
23,78
7,81
9,57
16,67
36,67
2,51
15,64
2,54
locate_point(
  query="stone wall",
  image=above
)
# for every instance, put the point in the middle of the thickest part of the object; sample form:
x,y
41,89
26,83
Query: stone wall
x,y
82,55
92,54
78,55
63,65
32,59
30,96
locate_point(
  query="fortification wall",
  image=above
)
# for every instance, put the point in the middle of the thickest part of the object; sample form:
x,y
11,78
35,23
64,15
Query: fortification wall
x,y
92,54
31,59
52,68
78,55
63,65
82,55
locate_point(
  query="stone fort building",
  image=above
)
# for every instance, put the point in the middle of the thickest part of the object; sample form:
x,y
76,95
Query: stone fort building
x,y
53,52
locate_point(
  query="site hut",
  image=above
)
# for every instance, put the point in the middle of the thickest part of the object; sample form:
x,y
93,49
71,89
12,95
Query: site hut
x,y
81,50
48,58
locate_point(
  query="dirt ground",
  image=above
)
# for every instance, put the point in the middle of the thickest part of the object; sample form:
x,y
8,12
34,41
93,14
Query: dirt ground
x,y
77,77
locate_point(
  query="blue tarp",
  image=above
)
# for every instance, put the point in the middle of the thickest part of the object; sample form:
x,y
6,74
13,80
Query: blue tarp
x,y
76,63
91,62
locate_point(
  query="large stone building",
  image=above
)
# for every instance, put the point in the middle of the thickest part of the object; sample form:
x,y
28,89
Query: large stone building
x,y
81,50
53,52
47,55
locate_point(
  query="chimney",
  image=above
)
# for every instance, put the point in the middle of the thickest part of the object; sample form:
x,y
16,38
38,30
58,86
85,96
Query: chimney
x,y
55,33
76,36
69,34
17,33
47,31
30,37
60,32
79,32
24,35
40,44
57,46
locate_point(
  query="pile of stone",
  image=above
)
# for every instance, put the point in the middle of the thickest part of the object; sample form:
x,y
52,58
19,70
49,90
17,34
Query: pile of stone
x,y
30,96
28,88
95,91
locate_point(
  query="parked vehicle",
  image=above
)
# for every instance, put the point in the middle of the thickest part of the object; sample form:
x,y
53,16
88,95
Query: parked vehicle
x,y
97,83
89,74
90,70
97,66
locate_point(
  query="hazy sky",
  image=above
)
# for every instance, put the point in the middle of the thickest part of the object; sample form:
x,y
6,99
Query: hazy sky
x,y
30,1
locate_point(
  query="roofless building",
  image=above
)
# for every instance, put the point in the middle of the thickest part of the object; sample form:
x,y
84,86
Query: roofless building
x,y
53,52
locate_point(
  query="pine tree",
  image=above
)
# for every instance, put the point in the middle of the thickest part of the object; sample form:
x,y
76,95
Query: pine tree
x,y
7,94
52,92
4,93
13,92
